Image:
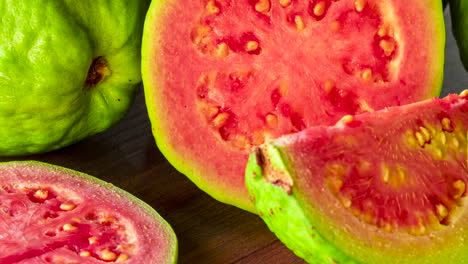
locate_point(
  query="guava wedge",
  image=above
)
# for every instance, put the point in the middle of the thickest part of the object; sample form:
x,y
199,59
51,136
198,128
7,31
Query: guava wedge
x,y
221,76
50,214
459,16
68,70
381,187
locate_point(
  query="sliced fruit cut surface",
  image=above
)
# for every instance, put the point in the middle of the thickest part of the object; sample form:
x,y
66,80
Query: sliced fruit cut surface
x,y
381,187
50,214
222,76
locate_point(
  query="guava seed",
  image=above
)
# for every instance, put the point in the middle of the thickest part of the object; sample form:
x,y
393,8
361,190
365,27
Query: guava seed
x,y
107,255
285,3
212,7
319,8
359,5
299,23
122,258
67,206
388,46
263,6
69,227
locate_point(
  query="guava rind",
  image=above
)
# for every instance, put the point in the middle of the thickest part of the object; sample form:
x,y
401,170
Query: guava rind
x,y
171,244
459,15
282,211
46,50
300,225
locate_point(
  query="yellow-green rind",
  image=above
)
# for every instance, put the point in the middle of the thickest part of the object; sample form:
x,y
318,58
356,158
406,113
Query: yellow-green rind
x,y
181,161
172,253
283,214
459,15
438,42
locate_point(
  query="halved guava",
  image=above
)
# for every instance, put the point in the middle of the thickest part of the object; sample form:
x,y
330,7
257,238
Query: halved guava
x,y
381,187
50,214
68,69
459,16
221,76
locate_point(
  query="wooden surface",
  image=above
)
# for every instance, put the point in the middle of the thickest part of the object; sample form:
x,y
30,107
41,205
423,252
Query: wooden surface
x,y
208,231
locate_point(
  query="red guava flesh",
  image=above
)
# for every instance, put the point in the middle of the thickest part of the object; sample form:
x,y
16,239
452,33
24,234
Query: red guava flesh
x,y
382,187
222,76
54,215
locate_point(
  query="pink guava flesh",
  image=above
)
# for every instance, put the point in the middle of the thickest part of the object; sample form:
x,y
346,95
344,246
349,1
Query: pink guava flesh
x,y
53,215
223,76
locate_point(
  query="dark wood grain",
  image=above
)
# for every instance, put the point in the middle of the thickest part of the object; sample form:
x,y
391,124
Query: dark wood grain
x,y
208,231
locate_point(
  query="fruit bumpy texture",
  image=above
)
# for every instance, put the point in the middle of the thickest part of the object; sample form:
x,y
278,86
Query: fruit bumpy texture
x,y
50,214
459,14
68,70
381,187
222,76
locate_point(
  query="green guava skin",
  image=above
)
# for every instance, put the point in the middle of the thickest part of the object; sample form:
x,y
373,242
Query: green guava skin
x,y
459,15
46,50
172,244
283,211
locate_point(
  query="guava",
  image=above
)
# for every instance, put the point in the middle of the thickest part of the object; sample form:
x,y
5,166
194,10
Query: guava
x,y
50,214
381,187
68,70
459,16
222,76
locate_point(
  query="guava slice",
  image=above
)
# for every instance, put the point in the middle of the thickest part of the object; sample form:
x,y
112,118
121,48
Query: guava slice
x,y
68,70
50,214
221,76
459,16
381,187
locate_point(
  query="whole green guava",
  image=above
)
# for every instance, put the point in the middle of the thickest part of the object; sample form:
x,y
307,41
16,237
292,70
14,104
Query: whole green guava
x,y
68,70
459,14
